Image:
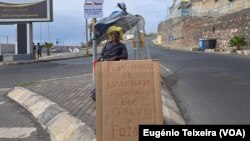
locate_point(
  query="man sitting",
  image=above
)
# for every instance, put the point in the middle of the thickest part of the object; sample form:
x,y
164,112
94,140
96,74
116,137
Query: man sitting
x,y
114,50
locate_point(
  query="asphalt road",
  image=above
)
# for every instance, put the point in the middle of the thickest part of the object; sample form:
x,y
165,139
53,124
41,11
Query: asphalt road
x,y
16,124
14,74
208,88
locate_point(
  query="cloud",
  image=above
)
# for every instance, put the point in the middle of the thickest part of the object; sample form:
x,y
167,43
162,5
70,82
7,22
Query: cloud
x,y
69,20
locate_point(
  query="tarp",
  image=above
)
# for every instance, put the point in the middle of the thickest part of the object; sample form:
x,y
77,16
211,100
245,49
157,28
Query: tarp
x,y
122,19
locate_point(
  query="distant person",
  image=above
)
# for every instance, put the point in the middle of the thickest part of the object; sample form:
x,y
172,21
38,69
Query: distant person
x,y
114,50
34,48
39,50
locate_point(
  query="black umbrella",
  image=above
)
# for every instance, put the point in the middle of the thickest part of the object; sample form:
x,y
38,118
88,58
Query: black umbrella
x,y
122,19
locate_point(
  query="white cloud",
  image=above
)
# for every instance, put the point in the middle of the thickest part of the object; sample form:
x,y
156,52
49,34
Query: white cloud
x,y
68,22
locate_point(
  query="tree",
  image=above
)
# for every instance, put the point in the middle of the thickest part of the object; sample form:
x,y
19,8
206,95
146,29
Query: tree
x,y
238,42
48,46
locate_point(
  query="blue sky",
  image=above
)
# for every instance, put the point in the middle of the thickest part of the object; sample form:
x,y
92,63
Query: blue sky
x,y
69,27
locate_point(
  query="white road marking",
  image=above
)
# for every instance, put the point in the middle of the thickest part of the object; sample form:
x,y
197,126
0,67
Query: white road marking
x,y
12,133
2,103
166,68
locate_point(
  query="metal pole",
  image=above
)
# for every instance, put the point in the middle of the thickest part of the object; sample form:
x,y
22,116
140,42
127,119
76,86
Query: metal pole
x,y
87,38
7,39
146,43
137,42
94,51
0,46
49,31
40,33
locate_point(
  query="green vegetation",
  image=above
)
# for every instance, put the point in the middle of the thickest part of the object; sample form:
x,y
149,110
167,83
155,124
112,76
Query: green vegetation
x,y
238,42
48,46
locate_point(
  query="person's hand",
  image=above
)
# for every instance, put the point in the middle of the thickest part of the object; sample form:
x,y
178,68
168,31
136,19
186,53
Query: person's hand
x,y
100,60
112,59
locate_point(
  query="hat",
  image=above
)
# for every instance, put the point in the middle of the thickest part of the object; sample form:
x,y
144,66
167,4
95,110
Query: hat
x,y
114,29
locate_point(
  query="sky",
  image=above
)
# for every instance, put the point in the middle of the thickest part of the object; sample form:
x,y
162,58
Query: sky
x,y
69,23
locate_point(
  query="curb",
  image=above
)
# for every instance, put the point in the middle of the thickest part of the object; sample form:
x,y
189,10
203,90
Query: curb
x,y
56,59
37,61
207,51
59,123
171,112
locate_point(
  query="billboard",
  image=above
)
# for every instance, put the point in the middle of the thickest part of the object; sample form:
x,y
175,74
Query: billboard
x,y
12,11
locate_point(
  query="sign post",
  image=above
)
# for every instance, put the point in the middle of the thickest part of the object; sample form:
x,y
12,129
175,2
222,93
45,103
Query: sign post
x,y
86,35
93,9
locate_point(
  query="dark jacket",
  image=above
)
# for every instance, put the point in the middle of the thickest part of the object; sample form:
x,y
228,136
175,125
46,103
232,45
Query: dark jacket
x,y
114,52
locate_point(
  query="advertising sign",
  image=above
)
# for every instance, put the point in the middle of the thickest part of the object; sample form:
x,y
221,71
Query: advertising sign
x,y
26,11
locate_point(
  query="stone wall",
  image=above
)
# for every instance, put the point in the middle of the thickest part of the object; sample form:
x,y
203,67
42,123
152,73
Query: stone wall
x,y
184,32
209,4
227,26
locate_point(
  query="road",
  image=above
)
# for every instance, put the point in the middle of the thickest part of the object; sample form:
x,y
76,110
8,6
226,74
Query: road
x,y
208,88
16,124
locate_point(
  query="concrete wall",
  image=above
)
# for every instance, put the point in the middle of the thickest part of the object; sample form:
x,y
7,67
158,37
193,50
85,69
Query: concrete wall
x,y
186,31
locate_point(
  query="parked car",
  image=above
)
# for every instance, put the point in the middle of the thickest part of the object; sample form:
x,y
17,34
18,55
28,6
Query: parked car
x,y
56,50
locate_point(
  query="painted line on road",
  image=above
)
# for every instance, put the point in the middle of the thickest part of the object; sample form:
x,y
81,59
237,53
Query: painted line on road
x,y
4,89
64,78
2,103
17,132
166,68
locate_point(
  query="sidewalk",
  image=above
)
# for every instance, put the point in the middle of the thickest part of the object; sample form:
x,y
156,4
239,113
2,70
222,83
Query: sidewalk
x,y
58,56
53,57
73,95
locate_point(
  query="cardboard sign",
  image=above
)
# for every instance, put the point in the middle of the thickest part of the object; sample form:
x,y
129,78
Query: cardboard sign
x,y
128,94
